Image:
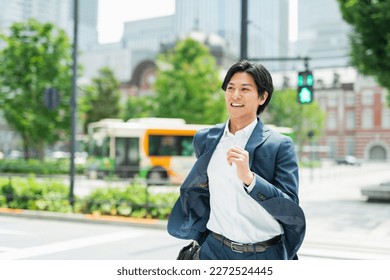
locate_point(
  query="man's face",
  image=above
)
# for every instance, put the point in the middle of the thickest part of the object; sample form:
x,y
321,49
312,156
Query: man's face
x,y
241,96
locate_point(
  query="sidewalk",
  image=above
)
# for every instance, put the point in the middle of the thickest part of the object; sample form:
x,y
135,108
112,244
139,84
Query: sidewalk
x,y
87,218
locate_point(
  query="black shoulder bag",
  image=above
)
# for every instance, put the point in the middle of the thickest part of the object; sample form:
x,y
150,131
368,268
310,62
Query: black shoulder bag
x,y
189,252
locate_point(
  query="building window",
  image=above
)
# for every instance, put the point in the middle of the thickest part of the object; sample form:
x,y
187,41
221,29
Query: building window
x,y
350,120
367,119
332,144
331,121
332,100
350,146
386,118
384,96
350,99
367,97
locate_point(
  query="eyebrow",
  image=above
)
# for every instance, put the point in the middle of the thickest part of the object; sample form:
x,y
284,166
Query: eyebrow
x,y
230,83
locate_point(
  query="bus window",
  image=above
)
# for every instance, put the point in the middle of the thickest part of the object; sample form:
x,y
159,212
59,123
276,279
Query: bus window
x,y
106,147
99,148
170,145
126,151
127,156
187,149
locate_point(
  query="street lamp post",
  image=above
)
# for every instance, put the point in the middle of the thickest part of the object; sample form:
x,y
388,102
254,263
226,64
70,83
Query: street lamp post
x,y
73,104
244,30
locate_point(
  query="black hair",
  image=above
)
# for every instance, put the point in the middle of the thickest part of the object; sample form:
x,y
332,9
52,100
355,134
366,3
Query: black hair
x,y
260,75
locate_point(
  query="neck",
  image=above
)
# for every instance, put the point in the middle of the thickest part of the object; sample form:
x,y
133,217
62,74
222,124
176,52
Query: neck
x,y
238,124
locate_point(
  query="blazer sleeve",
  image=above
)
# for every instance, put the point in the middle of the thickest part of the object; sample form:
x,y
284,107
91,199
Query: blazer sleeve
x,y
284,169
199,141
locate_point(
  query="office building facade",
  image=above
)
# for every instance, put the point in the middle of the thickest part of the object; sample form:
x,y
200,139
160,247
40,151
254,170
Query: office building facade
x,y
58,12
322,34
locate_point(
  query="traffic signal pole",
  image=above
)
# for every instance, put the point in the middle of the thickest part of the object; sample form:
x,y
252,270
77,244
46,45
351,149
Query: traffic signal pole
x,y
297,58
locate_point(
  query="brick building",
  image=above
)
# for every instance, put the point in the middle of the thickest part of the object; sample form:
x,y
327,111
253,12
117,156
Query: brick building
x,y
357,120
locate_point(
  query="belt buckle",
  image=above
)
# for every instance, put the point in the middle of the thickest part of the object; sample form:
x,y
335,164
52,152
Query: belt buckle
x,y
235,250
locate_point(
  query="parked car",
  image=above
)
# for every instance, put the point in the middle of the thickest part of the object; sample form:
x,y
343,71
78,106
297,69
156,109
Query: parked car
x,y
379,192
348,160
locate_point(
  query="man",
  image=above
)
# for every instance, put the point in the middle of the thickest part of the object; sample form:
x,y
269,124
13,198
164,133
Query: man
x,y
240,200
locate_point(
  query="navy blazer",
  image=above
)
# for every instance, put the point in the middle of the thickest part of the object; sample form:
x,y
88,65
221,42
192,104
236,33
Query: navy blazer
x,y
272,158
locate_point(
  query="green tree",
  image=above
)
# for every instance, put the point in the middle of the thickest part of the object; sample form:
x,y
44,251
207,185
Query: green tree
x,y
188,84
36,56
370,37
101,98
139,107
284,110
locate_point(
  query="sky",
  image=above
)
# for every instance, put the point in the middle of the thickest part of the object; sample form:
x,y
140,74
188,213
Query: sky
x,y
113,13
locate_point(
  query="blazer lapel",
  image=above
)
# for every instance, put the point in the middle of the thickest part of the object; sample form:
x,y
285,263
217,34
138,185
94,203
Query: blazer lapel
x,y
259,135
212,140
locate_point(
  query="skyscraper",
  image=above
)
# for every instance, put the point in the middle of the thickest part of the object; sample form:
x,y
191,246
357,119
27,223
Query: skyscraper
x,y
267,25
322,33
59,12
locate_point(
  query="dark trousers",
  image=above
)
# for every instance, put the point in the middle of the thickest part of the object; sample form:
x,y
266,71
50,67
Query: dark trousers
x,y
214,249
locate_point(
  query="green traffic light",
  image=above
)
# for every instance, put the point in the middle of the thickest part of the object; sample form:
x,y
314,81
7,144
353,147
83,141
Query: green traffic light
x,y
300,80
305,96
309,80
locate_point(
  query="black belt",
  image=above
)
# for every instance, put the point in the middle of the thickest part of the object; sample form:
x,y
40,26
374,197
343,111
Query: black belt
x,y
253,247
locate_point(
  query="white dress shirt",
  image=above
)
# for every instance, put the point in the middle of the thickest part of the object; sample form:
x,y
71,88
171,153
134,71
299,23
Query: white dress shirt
x,y
234,213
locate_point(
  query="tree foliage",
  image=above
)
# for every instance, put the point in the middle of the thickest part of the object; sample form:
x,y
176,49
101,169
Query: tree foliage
x,y
101,98
370,39
284,110
36,56
139,107
188,84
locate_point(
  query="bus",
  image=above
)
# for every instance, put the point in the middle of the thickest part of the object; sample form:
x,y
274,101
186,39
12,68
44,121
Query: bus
x,y
158,150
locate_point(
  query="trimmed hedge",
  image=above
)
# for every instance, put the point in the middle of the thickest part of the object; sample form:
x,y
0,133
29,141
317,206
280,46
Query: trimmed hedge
x,y
34,166
134,200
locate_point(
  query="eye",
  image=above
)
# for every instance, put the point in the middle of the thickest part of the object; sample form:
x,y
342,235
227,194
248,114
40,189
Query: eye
x,y
230,88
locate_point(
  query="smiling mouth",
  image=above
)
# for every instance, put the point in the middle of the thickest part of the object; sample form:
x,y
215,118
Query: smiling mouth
x,y
236,105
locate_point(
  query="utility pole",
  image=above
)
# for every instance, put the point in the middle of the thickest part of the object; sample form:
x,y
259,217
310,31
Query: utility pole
x,y
244,30
73,103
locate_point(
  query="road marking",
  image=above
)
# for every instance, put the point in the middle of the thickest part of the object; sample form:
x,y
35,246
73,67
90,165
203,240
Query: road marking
x,y
12,232
5,249
68,245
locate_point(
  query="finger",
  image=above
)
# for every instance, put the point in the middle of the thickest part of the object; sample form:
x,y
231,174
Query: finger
x,y
237,154
236,158
237,149
233,154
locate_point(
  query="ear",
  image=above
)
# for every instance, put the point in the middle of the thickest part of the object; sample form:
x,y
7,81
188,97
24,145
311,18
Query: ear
x,y
263,98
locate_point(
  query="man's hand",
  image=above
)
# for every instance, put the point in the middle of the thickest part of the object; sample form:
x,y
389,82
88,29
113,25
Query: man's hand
x,y
240,158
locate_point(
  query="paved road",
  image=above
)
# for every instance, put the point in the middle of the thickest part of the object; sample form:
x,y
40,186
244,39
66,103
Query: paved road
x,y
340,225
41,239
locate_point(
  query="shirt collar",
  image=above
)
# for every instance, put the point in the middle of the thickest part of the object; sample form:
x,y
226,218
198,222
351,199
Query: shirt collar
x,y
247,131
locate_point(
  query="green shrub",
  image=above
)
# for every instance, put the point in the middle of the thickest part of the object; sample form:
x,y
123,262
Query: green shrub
x,y
50,195
34,166
34,194
133,200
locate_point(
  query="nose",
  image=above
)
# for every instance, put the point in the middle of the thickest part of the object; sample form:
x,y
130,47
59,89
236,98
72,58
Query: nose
x,y
236,94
